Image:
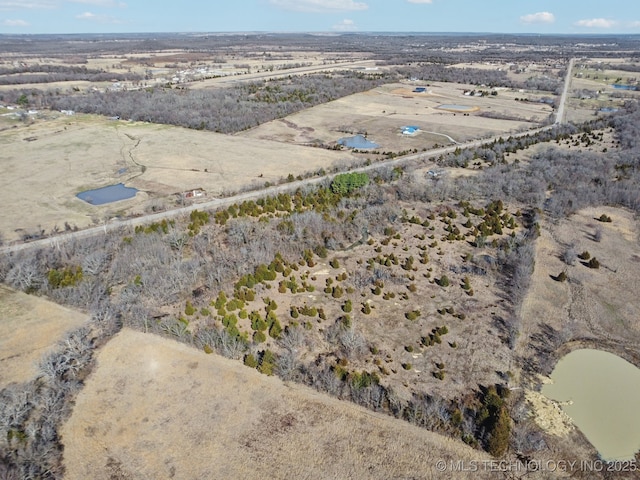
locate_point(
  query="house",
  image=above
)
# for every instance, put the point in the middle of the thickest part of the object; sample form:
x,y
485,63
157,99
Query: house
x,y
195,193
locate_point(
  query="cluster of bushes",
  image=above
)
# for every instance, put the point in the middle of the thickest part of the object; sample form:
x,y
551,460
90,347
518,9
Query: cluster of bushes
x,y
155,227
493,417
198,219
346,183
64,277
434,337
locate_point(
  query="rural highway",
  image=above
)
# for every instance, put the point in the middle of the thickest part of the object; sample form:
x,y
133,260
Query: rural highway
x,y
252,77
218,203
565,92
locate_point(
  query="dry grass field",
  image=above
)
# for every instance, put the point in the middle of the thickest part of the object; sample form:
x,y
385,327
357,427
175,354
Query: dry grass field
x,y
45,164
170,411
29,327
591,90
593,303
383,111
596,308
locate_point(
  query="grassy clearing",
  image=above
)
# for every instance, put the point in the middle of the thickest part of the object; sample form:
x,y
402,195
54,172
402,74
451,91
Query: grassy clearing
x,y
172,411
29,327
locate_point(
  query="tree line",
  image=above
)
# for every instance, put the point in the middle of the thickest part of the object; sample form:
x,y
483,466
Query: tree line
x,y
44,73
221,110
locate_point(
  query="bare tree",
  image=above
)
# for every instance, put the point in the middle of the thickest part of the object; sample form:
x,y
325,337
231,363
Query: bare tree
x,y
570,255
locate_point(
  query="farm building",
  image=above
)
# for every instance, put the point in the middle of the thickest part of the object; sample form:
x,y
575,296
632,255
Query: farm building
x,y
410,130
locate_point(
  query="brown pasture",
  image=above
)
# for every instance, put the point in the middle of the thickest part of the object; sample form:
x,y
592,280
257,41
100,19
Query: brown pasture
x,y
47,162
170,411
29,327
382,112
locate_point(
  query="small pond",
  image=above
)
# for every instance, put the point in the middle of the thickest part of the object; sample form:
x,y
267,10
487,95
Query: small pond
x,y
112,193
457,108
602,394
624,87
357,141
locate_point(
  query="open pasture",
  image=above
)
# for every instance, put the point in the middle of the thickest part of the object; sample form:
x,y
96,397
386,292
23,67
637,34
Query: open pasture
x,y
47,162
172,411
383,111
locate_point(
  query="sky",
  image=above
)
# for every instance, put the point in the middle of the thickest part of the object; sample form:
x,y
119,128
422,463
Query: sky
x,y
490,16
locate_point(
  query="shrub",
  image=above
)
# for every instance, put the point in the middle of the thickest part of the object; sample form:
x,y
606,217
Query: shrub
x,y
275,329
267,362
593,263
407,366
412,315
321,251
335,263
347,307
189,309
562,277
584,255
366,308
605,218
444,281
250,360
259,337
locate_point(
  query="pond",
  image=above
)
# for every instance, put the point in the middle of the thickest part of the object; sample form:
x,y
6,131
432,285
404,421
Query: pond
x,y
357,141
457,108
112,193
624,87
601,393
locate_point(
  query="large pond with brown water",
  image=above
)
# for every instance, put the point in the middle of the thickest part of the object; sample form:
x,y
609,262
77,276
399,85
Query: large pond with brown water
x,y
601,393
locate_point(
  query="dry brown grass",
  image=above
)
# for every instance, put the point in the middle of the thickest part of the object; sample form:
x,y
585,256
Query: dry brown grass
x,y
29,327
154,408
599,304
383,111
66,155
595,308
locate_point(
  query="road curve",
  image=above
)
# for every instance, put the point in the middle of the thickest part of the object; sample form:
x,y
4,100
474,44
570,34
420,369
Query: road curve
x,y
217,203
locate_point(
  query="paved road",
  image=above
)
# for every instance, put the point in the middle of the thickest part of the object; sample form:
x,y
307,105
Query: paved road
x,y
254,195
252,77
565,92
